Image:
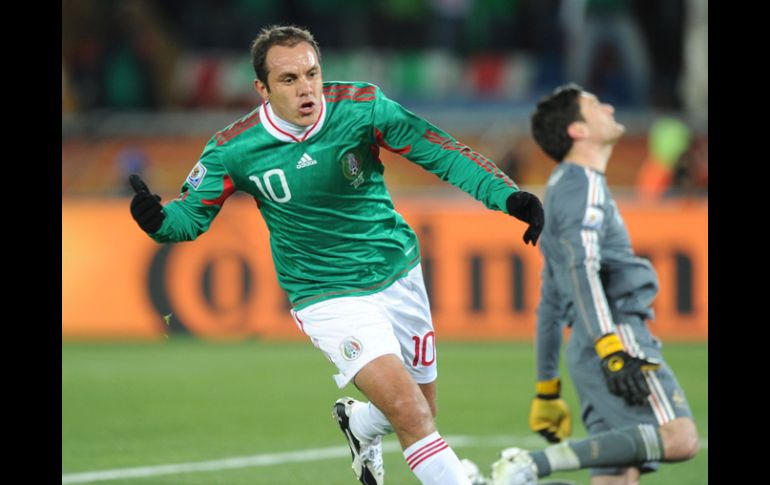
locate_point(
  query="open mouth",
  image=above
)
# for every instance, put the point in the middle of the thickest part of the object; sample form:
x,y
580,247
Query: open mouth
x,y
307,107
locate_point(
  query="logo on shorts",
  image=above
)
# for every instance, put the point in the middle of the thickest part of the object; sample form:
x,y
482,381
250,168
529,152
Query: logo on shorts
x,y
351,348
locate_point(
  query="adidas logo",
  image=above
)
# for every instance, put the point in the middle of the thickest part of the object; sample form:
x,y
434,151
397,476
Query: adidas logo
x,y
305,161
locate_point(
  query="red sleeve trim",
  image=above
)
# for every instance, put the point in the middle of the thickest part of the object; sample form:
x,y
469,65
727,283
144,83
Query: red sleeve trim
x,y
227,191
382,143
478,158
226,135
338,93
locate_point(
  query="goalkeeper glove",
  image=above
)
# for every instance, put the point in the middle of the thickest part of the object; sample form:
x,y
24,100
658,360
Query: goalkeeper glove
x,y
146,208
549,414
623,371
527,207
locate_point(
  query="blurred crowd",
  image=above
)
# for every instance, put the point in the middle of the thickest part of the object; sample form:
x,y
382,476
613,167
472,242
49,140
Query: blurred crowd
x,y
130,54
153,55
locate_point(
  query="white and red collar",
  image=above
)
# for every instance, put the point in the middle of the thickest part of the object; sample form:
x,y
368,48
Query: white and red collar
x,y
289,132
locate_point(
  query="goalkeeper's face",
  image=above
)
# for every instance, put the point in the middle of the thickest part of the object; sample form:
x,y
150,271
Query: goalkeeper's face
x,y
294,83
599,118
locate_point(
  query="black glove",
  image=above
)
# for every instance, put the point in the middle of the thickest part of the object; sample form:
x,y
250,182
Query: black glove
x,y
527,207
146,208
623,371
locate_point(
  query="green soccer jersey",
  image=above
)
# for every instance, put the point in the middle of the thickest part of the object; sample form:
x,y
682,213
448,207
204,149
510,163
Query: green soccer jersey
x,y
333,228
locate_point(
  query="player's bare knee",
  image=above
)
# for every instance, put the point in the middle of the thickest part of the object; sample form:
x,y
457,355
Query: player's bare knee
x,y
411,414
680,439
610,480
688,447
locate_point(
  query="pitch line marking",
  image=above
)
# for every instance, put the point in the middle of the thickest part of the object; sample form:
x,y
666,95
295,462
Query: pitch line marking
x,y
314,454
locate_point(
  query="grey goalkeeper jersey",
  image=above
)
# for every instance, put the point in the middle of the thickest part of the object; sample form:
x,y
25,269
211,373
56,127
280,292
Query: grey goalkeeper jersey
x,y
590,271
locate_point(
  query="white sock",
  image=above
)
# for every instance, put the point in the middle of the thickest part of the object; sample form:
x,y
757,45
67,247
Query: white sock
x,y
434,462
367,422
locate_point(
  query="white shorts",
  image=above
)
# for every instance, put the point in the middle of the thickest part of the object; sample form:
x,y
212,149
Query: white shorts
x,y
354,330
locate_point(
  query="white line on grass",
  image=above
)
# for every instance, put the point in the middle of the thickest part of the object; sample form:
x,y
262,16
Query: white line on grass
x,y
314,454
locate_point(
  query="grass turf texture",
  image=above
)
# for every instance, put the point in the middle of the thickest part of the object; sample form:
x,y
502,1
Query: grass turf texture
x,y
183,400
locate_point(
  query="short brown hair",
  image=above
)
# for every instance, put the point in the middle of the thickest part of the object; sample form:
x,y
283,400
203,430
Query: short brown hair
x,y
285,35
552,118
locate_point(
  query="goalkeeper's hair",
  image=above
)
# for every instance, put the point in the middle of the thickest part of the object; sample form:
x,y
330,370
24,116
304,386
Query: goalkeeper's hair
x,y
552,117
285,35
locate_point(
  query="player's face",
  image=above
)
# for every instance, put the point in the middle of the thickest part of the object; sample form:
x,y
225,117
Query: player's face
x,y
294,77
600,119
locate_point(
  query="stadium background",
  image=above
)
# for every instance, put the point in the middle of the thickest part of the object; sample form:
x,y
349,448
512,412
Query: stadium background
x,y
145,84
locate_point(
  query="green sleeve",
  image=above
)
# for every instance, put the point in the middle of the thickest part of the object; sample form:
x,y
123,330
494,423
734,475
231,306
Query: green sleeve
x,y
202,195
402,132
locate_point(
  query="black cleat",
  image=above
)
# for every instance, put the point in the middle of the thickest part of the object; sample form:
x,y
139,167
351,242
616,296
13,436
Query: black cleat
x,y
367,458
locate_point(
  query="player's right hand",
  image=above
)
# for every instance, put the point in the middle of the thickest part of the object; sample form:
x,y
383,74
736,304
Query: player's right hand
x,y
549,414
624,372
528,208
146,208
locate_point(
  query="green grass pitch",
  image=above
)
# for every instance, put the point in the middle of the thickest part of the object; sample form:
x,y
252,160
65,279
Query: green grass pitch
x,y
127,405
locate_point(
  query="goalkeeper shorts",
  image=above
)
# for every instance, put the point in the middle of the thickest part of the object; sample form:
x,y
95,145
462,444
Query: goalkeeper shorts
x,y
602,410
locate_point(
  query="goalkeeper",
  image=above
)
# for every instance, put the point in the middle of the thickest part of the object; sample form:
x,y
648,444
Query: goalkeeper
x,y
631,404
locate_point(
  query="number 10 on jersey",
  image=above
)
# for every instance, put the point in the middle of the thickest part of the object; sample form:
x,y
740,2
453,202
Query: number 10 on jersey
x,y
277,172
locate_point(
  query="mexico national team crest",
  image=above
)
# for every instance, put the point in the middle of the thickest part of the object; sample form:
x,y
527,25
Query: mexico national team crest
x,y
196,175
351,348
352,168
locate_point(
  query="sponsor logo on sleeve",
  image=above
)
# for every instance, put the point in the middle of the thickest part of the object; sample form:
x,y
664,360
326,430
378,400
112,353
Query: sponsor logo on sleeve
x,y
679,399
593,218
196,175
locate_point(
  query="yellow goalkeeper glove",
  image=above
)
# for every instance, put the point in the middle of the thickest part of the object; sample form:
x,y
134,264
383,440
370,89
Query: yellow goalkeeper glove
x,y
549,414
623,371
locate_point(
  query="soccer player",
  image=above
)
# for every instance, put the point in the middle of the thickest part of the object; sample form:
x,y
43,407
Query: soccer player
x,y
348,261
631,404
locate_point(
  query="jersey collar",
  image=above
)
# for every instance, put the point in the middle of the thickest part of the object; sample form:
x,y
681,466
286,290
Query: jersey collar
x,y
268,120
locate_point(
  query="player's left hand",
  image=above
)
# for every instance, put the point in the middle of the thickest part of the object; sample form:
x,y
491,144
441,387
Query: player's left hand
x,y
528,208
624,372
625,378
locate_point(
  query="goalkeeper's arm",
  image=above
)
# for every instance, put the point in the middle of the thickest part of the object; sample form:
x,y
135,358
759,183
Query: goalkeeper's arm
x,y
549,414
